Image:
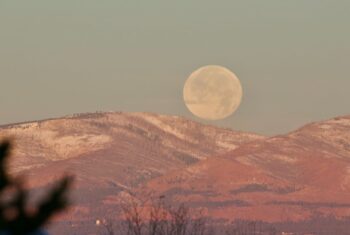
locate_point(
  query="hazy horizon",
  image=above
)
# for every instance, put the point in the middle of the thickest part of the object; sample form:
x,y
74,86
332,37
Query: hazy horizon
x,y
66,57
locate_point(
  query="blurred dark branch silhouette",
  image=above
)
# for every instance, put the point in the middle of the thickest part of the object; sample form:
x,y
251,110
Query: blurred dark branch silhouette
x,y
15,218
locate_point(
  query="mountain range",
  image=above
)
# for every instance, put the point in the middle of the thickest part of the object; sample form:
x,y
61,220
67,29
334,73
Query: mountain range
x,y
225,173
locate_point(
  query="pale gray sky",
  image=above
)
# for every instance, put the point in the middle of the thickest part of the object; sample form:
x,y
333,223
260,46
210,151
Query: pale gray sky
x,y
68,56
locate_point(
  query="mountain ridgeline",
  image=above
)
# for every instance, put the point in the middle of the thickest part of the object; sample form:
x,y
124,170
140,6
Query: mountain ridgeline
x,y
229,174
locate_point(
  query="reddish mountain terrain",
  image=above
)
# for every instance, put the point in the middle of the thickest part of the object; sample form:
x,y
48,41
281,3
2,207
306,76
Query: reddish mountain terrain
x,y
112,152
292,177
225,173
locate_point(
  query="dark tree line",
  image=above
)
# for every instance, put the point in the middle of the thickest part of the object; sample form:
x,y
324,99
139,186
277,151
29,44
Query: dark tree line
x,y
140,217
155,218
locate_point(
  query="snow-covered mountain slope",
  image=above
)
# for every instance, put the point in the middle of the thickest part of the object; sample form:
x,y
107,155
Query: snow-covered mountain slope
x,y
289,177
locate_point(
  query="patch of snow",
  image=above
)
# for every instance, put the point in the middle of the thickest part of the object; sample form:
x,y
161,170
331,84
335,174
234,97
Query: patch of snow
x,y
164,126
226,145
74,145
284,158
326,127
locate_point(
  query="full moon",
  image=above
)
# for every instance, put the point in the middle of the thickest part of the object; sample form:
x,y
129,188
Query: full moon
x,y
212,92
